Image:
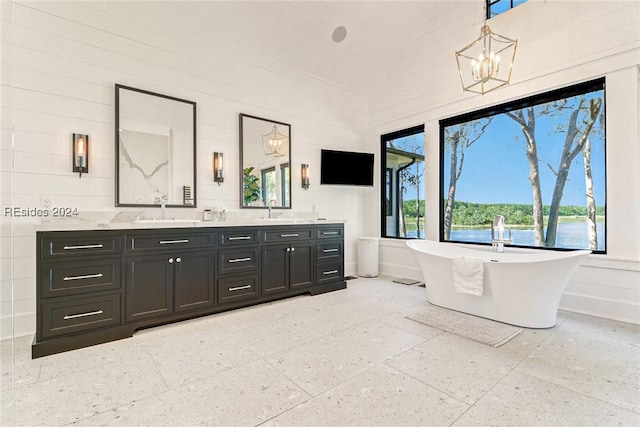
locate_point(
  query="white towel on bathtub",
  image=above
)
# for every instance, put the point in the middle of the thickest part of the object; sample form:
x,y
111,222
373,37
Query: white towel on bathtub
x,y
468,275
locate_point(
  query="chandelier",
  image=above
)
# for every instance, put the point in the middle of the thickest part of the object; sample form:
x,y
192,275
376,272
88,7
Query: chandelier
x,y
486,63
275,143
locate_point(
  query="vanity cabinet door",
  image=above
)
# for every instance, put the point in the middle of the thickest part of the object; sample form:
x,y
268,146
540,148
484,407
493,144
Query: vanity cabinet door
x,y
193,281
275,269
301,265
149,287
286,267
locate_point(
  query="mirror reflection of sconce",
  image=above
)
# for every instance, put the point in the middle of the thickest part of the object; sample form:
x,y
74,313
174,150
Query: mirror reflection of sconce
x,y
218,167
80,153
275,143
304,172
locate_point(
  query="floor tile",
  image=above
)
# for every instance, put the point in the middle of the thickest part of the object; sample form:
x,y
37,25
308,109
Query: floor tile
x,y
400,321
526,401
325,363
383,396
84,359
344,358
593,360
17,369
249,395
68,398
338,316
457,366
311,413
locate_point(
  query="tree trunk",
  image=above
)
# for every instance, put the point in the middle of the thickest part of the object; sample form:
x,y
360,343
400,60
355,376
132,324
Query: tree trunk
x,y
591,201
451,195
528,128
569,152
536,192
417,205
402,225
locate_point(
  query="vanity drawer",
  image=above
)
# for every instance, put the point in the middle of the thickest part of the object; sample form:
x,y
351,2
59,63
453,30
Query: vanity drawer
x,y
238,237
329,273
77,277
287,235
237,260
78,245
71,316
167,241
237,288
329,251
330,232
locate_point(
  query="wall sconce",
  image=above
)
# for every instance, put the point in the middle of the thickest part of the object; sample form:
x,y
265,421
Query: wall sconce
x,y
304,172
80,153
218,167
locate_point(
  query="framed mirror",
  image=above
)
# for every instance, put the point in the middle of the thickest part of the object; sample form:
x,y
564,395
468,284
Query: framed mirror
x,y
155,149
265,163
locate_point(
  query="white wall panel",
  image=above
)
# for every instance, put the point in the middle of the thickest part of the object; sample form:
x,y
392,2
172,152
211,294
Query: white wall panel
x,y
569,43
68,56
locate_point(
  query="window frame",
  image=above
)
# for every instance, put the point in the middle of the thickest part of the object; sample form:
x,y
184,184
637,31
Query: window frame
x,y
285,172
552,95
384,138
263,184
490,3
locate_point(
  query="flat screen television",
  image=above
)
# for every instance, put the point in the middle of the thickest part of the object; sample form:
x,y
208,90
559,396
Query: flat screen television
x,y
346,168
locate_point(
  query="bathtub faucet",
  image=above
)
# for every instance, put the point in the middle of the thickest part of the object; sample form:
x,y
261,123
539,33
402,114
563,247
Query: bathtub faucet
x,y
498,237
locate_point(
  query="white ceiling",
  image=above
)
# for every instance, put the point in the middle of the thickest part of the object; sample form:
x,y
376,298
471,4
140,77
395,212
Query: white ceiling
x,y
298,34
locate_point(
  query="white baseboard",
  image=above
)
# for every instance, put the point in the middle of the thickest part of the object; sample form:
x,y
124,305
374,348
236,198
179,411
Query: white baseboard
x,y
21,325
621,311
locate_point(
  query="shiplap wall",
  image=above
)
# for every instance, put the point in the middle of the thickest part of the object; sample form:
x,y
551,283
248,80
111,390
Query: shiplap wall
x,y
67,58
559,43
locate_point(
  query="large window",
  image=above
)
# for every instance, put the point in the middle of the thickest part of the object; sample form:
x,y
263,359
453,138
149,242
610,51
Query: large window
x,y
539,162
403,183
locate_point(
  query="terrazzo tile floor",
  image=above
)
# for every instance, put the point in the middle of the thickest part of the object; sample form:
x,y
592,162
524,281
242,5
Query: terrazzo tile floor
x,y
346,358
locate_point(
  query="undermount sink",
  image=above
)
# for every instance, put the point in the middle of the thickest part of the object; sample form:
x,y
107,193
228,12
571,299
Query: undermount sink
x,y
163,221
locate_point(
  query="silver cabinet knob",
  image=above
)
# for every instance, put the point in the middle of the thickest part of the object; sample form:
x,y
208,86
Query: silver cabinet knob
x,y
293,249
178,259
170,260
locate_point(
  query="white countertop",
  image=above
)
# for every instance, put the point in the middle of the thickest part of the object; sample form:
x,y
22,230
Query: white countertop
x,y
78,224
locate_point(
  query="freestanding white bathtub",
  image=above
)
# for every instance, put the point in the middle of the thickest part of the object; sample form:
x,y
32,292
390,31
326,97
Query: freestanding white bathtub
x,y
521,286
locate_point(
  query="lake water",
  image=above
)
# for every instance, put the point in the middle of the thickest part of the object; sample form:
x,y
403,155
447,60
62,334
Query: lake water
x,y
570,235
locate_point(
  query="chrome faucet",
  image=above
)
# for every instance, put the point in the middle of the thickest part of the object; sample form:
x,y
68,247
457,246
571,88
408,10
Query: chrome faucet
x,y
271,204
498,237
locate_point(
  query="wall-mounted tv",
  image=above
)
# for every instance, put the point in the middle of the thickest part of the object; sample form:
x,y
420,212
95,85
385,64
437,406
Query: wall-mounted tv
x,y
346,168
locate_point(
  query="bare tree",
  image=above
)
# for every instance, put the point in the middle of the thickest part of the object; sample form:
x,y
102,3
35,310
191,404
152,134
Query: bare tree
x,y
459,138
528,127
576,133
591,201
575,139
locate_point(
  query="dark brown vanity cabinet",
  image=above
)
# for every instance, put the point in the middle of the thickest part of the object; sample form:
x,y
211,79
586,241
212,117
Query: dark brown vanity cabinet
x,y
238,277
329,254
287,259
102,285
286,266
176,276
79,287
159,285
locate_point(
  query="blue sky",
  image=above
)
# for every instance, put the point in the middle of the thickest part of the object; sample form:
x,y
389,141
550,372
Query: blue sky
x,y
496,169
